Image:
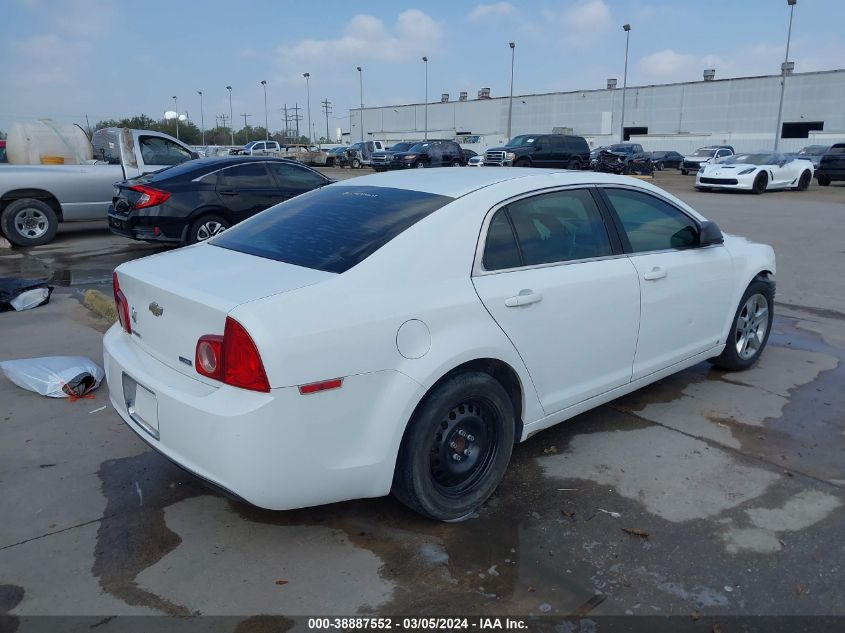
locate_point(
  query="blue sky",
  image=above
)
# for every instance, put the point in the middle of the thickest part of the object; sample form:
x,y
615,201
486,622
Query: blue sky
x,y
68,58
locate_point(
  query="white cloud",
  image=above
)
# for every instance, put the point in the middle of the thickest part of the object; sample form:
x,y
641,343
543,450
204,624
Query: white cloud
x,y
493,10
667,64
367,37
587,16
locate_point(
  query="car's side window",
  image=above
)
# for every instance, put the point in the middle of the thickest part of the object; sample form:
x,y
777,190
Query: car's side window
x,y
246,176
558,227
500,249
160,151
650,223
295,176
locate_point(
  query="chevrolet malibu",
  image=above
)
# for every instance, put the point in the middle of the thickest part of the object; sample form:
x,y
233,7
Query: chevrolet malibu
x,y
400,332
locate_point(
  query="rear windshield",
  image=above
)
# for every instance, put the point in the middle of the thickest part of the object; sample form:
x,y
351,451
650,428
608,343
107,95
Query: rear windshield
x,y
331,229
837,149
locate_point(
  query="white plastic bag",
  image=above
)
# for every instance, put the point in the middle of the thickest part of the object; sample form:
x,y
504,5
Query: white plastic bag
x,y
30,298
55,376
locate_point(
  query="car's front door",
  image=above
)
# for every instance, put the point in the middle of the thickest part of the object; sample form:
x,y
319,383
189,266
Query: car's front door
x,y
544,152
552,277
685,289
247,189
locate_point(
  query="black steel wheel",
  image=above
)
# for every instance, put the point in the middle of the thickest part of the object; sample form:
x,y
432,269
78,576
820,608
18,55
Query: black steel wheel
x,y
760,183
804,181
456,447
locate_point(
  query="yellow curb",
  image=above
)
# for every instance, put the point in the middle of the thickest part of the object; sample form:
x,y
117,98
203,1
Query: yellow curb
x,y
642,177
100,304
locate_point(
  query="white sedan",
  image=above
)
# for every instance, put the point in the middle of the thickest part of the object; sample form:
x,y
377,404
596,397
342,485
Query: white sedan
x,y
400,332
763,171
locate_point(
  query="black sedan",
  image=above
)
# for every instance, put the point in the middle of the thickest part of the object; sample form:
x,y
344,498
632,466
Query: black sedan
x,y
666,160
191,202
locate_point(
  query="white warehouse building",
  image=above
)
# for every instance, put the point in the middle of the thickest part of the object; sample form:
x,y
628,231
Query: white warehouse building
x,y
682,116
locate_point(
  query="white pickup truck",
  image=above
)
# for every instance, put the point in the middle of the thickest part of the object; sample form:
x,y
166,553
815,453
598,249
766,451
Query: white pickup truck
x,y
35,198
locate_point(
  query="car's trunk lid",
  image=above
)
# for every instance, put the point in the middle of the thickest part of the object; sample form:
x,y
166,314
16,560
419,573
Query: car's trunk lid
x,y
175,298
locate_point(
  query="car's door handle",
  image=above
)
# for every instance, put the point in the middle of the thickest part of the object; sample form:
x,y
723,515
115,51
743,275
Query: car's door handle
x,y
227,192
524,298
654,274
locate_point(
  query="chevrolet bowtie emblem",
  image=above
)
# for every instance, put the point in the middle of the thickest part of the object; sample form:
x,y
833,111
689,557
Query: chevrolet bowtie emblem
x,y
156,309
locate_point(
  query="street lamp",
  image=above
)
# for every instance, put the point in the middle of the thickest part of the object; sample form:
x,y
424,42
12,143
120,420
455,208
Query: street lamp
x,y
176,104
627,29
361,84
784,68
425,61
231,119
266,120
510,102
308,93
202,118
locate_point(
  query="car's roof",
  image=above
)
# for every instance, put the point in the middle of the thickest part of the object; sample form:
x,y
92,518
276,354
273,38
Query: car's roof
x,y
456,182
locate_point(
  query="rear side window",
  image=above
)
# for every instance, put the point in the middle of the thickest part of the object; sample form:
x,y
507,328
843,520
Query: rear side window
x,y
559,227
837,149
500,249
247,176
333,228
296,176
650,223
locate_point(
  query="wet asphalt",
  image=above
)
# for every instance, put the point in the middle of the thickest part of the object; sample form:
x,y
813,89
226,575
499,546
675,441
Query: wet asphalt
x,y
706,494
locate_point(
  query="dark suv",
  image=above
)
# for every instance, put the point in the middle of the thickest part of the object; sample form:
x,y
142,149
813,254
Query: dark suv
x,y
541,150
433,153
380,161
832,165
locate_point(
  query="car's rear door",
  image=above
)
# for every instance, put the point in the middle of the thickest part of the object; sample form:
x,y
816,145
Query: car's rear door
x,y
686,290
552,276
246,189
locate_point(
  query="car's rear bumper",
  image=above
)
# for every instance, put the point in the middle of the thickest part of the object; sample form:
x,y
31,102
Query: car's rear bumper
x,y
833,174
276,450
148,229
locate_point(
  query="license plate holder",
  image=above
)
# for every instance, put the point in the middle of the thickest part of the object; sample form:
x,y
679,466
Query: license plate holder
x,y
141,404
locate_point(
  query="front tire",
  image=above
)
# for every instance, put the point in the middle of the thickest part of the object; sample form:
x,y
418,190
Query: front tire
x,y
804,181
419,165
750,329
355,164
522,162
684,172
29,222
456,448
658,166
760,183
206,227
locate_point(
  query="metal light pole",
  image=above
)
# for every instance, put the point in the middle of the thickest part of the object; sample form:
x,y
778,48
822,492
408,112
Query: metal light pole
x,y
510,102
627,29
783,71
202,118
361,84
231,118
308,93
266,120
425,60
176,104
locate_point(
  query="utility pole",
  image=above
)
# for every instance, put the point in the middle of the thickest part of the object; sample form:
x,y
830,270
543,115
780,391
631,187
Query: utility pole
x,y
296,118
202,117
176,103
784,70
627,29
510,101
327,108
308,93
231,115
285,108
245,115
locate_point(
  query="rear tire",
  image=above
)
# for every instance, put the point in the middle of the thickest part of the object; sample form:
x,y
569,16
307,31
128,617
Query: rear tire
x,y
750,328
29,222
684,172
824,181
456,163
574,164
206,227
419,165
456,448
658,166
355,164
804,181
760,183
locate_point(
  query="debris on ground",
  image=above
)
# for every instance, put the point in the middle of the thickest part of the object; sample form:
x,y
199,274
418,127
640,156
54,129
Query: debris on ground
x,y
551,450
23,294
281,582
636,532
728,588
71,377
615,515
4,243
568,515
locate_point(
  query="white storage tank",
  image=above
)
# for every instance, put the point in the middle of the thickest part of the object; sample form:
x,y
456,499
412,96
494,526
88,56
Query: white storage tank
x,y
47,142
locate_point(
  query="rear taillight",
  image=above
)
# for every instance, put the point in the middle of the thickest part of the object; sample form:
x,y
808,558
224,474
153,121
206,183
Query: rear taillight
x,y
232,358
150,197
121,305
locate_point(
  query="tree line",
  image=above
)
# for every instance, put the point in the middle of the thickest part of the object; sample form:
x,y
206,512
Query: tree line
x,y
191,134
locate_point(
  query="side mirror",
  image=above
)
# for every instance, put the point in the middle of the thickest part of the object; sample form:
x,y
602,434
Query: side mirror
x,y
194,155
710,234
